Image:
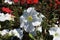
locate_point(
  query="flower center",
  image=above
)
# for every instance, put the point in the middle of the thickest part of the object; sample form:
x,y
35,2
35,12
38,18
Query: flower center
x,y
29,18
56,34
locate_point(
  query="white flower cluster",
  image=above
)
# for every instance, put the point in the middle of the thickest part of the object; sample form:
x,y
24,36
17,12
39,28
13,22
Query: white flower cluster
x,y
8,1
14,32
7,16
28,22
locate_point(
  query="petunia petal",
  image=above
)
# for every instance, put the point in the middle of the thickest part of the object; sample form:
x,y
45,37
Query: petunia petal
x,y
39,29
28,27
37,23
3,32
56,38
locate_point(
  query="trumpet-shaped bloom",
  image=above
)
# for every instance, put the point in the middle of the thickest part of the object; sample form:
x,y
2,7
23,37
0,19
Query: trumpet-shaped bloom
x,y
9,17
3,32
55,31
8,1
29,19
16,32
4,17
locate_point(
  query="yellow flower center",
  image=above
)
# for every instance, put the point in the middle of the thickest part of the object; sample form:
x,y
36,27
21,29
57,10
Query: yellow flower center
x,y
29,18
56,34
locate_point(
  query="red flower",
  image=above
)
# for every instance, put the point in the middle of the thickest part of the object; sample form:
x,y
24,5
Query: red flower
x,y
22,2
35,1
55,5
32,1
15,1
6,10
57,2
29,1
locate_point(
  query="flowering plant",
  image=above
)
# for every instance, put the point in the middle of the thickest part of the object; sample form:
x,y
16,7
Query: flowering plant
x,y
30,20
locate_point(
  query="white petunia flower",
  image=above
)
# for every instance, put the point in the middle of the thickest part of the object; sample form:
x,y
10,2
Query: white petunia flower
x,y
55,31
56,38
17,32
4,32
29,19
7,16
8,1
2,17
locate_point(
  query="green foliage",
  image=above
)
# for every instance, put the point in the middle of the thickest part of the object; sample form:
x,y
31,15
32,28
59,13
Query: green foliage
x,y
31,36
6,37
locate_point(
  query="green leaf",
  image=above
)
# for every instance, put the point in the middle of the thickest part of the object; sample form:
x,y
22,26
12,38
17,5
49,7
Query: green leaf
x,y
31,36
